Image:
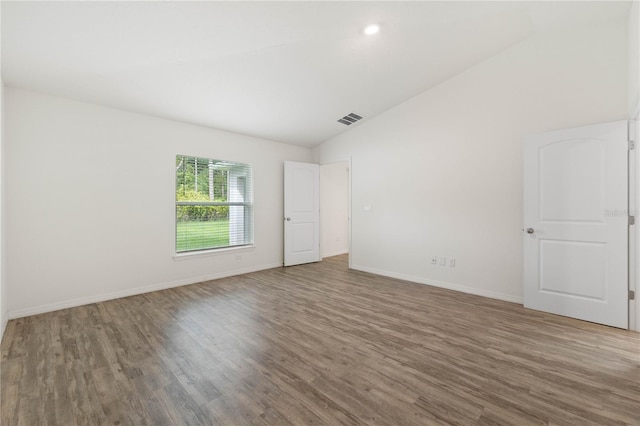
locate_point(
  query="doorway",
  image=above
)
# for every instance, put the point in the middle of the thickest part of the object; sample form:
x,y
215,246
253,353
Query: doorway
x,y
335,208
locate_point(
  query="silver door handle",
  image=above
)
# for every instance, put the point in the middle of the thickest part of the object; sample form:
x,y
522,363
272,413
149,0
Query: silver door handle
x,y
530,231
287,218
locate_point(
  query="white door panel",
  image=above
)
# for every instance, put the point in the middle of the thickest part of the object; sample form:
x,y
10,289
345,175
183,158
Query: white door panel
x,y
575,196
572,191
302,213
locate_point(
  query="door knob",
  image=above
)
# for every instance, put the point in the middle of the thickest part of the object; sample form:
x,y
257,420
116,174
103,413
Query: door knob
x,y
529,230
287,218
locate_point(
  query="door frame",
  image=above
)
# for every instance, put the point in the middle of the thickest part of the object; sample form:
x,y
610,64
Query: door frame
x,y
349,209
633,133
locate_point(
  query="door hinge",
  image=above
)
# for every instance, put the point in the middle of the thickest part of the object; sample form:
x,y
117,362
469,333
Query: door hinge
x,y
632,145
632,220
632,295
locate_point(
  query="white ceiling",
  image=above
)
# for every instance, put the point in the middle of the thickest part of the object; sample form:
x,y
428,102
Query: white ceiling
x,y
284,71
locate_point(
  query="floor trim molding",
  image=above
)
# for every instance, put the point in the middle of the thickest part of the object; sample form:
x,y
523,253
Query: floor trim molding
x,y
50,307
3,325
441,284
334,253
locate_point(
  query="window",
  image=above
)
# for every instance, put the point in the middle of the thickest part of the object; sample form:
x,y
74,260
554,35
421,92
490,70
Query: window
x,y
214,204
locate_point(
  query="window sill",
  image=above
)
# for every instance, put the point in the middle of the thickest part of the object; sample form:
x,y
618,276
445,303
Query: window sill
x,y
211,252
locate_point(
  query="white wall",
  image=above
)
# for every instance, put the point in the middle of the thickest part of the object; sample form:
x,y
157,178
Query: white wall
x,y
634,57
442,172
3,299
3,292
334,208
90,201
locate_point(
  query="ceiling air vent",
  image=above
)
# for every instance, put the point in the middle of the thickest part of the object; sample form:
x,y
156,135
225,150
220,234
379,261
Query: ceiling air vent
x,y
349,119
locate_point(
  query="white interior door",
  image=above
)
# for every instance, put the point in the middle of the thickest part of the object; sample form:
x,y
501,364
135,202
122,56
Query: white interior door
x,y
301,213
576,223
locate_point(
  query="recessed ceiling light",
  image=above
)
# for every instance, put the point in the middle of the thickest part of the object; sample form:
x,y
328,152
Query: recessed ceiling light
x,y
371,29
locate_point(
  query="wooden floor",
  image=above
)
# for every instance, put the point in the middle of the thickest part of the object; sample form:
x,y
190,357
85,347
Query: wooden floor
x,y
315,344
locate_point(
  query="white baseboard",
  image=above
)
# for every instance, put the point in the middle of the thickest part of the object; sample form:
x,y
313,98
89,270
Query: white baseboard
x,y
3,325
441,284
335,253
41,309
50,307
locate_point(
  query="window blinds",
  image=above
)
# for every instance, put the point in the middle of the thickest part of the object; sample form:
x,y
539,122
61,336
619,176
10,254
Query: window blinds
x,y
214,204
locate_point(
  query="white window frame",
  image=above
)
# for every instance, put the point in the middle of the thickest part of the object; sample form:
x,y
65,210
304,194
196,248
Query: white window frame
x,y
239,238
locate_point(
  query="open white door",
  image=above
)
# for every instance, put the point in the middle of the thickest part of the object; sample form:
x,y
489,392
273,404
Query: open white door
x,y
301,213
575,219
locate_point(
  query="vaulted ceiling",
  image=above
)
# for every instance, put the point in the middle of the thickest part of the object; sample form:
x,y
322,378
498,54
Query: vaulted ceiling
x,y
285,71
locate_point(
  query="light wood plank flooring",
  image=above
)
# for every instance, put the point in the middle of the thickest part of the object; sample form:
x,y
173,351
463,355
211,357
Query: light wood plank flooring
x,y
315,344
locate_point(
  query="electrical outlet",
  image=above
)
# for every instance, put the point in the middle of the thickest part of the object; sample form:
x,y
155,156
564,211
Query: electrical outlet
x,y
443,261
434,260
452,262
